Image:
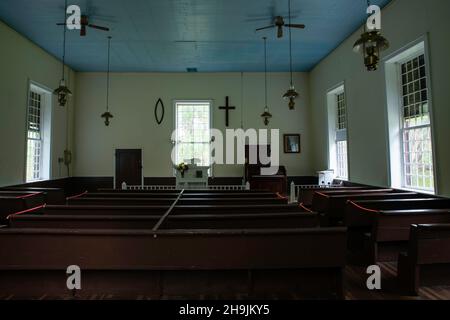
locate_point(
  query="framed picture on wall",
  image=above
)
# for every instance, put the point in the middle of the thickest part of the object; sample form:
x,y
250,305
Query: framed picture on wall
x,y
292,143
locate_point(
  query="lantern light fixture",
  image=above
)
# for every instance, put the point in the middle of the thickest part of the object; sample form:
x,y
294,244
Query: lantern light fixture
x,y
370,45
63,92
291,94
266,115
108,115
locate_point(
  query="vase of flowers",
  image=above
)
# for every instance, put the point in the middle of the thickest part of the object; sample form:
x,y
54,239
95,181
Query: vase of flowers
x,y
182,168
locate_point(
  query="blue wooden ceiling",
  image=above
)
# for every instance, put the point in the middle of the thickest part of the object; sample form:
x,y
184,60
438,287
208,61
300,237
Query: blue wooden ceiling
x,y
173,35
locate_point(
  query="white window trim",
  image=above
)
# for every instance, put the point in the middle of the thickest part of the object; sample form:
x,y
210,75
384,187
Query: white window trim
x,y
46,127
332,128
394,124
211,124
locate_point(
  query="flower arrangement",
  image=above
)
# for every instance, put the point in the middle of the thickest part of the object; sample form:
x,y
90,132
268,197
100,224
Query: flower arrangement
x,y
182,167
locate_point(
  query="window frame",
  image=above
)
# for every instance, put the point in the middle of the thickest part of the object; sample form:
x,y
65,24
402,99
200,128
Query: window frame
x,y
175,122
394,112
403,129
46,127
334,133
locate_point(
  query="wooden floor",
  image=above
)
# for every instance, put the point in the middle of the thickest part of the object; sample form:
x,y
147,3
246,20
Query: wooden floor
x,y
354,288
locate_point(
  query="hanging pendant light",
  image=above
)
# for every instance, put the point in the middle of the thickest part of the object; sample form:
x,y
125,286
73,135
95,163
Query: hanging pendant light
x,y
62,92
266,115
370,44
291,94
107,115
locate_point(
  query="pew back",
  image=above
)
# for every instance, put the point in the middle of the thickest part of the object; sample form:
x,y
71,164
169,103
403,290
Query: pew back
x,y
427,260
334,203
159,210
53,196
12,202
174,262
211,221
362,213
168,201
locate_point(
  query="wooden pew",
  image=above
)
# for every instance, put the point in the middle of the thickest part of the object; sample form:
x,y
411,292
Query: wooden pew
x,y
158,210
379,235
332,203
174,263
210,221
389,233
306,194
12,202
355,212
173,194
167,201
52,196
427,260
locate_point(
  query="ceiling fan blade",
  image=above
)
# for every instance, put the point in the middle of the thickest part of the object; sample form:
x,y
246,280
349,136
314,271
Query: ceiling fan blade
x,y
300,26
98,27
280,32
268,27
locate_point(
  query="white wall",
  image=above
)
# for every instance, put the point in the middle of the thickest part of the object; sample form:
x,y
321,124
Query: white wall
x,y
132,101
21,61
403,22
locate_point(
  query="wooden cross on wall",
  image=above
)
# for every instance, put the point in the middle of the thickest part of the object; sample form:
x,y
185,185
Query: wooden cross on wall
x,y
227,108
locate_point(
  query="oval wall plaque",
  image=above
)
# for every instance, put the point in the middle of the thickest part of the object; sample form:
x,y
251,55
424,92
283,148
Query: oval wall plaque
x,y
159,105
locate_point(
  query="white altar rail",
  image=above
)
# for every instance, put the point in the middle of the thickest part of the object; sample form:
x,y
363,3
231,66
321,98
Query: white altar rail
x,y
296,189
151,188
169,188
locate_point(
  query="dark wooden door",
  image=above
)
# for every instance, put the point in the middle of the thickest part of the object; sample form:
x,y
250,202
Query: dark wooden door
x,y
128,167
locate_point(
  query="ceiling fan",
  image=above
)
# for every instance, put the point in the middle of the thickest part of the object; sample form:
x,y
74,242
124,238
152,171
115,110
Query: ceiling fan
x,y
279,24
84,21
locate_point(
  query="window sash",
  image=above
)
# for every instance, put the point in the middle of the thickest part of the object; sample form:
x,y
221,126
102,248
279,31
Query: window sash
x,y
34,137
342,159
193,124
341,115
416,143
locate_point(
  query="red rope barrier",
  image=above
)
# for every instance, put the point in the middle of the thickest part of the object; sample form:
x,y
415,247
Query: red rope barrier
x,y
77,196
301,205
29,195
26,211
281,197
362,208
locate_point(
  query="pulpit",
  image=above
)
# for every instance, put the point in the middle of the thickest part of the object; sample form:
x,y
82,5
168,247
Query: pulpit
x,y
273,183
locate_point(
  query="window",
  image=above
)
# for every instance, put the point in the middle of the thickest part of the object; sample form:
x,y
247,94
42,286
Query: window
x,y
38,134
417,159
409,119
337,124
193,124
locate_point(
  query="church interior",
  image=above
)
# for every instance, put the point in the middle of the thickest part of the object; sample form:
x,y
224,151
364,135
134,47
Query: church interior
x,y
224,150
